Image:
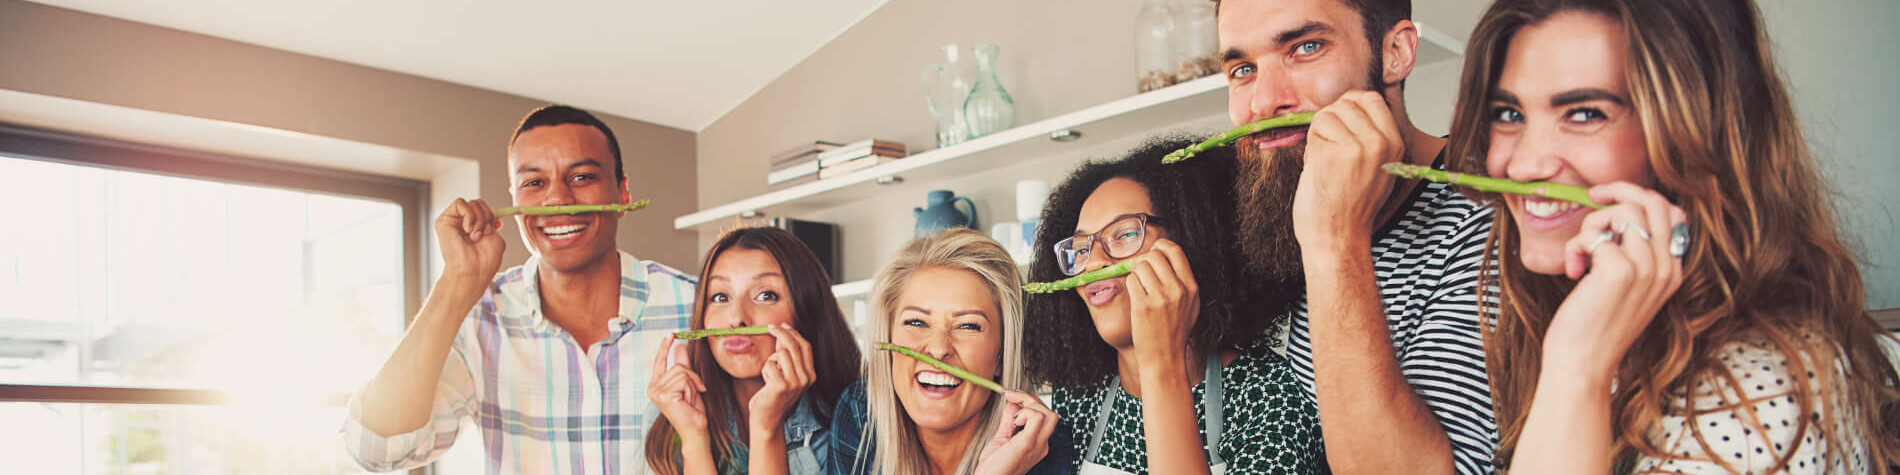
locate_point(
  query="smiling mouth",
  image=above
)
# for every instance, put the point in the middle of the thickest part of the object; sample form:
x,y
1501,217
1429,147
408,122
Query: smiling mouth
x,y
937,383
1547,208
563,231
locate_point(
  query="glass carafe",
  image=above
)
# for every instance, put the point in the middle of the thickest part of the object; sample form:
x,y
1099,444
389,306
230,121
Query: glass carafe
x,y
989,108
946,84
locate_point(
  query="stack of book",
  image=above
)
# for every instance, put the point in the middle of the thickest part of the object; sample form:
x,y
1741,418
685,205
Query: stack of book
x,y
797,165
824,160
857,156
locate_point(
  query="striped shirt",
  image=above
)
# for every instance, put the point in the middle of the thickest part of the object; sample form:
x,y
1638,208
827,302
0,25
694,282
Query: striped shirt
x,y
543,403
1426,263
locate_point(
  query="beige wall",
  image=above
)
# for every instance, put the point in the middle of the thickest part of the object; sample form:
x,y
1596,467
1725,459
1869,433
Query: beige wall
x,y
1057,56
1839,61
63,53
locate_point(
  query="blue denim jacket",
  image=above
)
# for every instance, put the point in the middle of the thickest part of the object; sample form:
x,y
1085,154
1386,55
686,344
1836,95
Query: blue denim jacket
x,y
806,441
847,438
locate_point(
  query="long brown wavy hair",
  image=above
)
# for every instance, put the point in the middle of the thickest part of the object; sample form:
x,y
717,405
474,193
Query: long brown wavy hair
x,y
1765,261
817,317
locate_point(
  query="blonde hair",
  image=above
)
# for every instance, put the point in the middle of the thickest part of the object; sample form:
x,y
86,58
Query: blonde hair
x,y
891,430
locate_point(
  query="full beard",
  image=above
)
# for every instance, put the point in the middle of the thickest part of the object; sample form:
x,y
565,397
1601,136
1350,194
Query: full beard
x,y
1264,188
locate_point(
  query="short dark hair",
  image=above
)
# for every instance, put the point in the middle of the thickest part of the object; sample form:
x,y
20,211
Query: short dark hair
x,y
556,114
1376,16
1196,197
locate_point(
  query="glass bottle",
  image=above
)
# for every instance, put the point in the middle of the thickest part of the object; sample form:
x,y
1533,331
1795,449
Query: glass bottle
x,y
1199,39
989,108
1155,48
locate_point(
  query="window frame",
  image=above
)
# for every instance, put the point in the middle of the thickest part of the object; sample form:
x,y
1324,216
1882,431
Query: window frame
x,y
412,196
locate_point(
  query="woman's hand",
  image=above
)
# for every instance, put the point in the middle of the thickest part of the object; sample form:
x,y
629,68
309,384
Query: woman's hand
x,y
1021,440
787,373
1164,302
1625,273
676,391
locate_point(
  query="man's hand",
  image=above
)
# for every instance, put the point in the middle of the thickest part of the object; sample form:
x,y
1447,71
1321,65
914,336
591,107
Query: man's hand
x,y
468,235
1341,189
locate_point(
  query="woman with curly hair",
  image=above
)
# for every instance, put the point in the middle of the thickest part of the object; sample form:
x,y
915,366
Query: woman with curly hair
x,y
1709,319
1144,364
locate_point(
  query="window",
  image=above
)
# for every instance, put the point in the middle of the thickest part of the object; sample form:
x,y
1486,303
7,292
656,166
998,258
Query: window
x,y
165,312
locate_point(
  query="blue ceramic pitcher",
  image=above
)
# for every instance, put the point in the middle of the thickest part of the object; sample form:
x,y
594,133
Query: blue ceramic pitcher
x,y
942,213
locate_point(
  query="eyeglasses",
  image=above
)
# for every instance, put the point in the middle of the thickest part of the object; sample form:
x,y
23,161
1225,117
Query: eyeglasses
x,y
1122,238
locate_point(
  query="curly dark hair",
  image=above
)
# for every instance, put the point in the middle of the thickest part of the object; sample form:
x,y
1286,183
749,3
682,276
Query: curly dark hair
x,y
1196,196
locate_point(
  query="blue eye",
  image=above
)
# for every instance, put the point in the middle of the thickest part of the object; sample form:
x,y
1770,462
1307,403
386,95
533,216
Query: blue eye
x,y
1306,48
912,322
971,327
1585,115
1241,71
1506,115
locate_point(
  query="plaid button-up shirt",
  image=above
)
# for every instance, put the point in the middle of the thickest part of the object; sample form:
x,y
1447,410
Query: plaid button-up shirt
x,y
542,403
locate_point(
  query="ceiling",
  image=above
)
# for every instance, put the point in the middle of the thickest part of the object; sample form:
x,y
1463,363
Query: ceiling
x,y
681,64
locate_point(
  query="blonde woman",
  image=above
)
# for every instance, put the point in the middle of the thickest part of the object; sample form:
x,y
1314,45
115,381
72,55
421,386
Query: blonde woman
x,y
955,297
1709,319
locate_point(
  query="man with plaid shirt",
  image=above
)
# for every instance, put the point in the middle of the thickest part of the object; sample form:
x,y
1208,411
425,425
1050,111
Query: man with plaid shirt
x,y
549,358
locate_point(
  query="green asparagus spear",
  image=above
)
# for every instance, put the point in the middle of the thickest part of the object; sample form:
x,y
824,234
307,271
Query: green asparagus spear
x,y
1289,120
1119,269
946,367
1557,191
570,209
712,332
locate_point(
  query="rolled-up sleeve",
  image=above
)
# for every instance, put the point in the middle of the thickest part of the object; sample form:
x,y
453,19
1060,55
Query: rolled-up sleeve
x,y
454,401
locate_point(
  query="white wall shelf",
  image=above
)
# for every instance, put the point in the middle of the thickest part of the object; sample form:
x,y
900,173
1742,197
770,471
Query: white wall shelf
x,y
852,289
1134,115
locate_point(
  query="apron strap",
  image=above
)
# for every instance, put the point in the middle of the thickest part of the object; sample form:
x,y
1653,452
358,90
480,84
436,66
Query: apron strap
x,y
1213,408
1213,399
1101,418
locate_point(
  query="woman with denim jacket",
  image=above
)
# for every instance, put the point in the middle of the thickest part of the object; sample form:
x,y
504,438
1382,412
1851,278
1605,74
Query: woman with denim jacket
x,y
771,395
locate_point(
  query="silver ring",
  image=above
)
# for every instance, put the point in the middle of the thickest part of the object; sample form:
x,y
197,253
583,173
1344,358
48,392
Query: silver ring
x,y
1607,236
1632,226
1679,240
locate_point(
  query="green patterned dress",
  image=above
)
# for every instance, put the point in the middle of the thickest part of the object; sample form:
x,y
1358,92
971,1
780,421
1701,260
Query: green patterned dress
x,y
1270,427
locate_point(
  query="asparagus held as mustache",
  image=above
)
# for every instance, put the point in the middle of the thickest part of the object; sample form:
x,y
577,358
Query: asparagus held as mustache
x,y
1555,191
570,209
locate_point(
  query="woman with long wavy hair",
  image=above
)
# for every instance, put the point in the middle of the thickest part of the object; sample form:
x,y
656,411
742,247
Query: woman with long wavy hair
x,y
1709,319
753,403
956,297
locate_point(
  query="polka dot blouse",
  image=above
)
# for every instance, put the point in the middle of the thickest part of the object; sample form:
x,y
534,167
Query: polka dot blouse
x,y
1749,429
